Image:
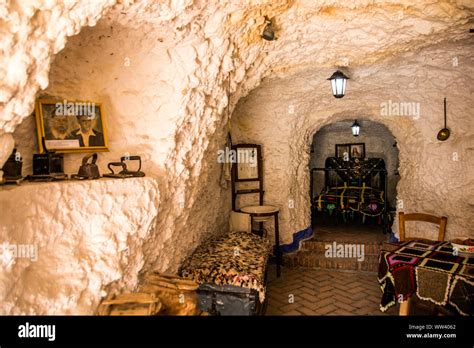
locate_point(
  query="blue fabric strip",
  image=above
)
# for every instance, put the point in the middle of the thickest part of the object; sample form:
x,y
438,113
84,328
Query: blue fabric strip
x,y
297,238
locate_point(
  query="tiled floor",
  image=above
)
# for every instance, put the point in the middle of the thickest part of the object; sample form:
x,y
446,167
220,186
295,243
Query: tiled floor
x,y
305,291
324,291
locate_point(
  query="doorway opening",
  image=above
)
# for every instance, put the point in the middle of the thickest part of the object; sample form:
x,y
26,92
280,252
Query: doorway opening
x,y
353,182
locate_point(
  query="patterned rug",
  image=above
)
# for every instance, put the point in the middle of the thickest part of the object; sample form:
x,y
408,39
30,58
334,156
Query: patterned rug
x,y
432,270
236,258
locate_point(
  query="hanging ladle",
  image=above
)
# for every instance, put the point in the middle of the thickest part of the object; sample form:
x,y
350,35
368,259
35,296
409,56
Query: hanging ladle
x,y
444,133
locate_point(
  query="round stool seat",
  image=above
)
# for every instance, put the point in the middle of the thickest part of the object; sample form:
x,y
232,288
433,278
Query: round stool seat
x,y
259,209
260,213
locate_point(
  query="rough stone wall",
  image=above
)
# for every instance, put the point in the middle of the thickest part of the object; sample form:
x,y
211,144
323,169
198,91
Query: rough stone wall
x,y
85,236
32,33
138,80
215,44
378,143
436,177
132,76
165,106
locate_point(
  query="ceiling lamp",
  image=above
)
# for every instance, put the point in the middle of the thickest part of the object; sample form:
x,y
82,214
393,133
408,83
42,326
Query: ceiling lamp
x,y
338,84
268,33
355,129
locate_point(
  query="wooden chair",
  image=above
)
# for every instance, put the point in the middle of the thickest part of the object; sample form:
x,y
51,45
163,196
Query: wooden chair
x,y
441,221
402,218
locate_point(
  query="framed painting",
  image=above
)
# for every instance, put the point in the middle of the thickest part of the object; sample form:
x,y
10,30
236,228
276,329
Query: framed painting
x,y
342,151
70,126
357,151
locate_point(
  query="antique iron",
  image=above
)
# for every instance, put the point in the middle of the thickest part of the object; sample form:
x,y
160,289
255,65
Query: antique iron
x,y
88,170
12,168
48,163
121,175
125,172
138,172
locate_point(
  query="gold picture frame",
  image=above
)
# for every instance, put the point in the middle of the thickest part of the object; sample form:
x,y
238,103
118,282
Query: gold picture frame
x,y
71,126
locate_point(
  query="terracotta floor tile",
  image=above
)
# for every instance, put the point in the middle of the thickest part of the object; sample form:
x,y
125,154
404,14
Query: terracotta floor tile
x,y
324,292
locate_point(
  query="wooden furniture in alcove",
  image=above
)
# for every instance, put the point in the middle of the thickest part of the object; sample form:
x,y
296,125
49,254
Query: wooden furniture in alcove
x,y
261,213
351,187
248,170
402,218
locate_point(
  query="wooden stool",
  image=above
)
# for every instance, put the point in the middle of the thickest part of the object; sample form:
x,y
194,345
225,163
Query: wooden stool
x,y
261,213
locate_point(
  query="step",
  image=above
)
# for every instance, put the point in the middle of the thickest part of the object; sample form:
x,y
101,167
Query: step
x,y
320,246
311,259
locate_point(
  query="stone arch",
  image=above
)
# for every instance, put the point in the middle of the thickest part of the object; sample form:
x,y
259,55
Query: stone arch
x,y
382,146
299,177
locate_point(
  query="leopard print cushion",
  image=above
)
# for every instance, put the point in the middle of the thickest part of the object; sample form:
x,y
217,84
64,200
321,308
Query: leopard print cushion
x,y
236,258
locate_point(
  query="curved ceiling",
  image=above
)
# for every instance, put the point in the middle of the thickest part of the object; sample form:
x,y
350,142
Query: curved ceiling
x,y
311,36
222,39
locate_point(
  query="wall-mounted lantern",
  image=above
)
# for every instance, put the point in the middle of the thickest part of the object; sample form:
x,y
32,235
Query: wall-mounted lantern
x,y
338,84
355,129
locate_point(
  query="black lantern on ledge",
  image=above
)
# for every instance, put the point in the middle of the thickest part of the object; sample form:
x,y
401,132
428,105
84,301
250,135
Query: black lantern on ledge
x,y
338,84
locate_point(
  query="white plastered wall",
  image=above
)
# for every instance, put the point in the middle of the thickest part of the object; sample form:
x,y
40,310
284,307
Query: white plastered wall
x,y
204,45
436,177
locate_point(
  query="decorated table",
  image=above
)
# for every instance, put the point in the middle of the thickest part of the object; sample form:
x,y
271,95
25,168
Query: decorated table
x,y
432,270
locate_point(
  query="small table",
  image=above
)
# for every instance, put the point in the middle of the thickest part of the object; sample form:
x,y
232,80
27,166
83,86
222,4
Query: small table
x,y
260,213
430,269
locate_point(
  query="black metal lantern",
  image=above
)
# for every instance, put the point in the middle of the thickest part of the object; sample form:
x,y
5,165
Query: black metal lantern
x,y
338,84
355,129
268,33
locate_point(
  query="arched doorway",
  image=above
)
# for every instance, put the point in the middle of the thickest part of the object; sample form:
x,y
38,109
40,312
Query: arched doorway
x,y
353,181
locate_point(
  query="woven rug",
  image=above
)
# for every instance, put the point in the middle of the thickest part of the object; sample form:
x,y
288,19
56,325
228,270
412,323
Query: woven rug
x,y
430,269
236,258
462,296
432,285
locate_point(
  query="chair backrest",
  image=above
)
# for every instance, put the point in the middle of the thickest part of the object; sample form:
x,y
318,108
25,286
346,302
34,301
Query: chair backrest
x,y
441,221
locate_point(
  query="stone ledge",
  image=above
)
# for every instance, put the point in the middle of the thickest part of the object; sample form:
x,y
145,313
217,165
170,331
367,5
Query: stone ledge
x,y
88,235
26,183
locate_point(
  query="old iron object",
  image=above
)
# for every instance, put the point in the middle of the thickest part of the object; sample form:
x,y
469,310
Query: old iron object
x,y
88,170
12,167
48,163
47,166
119,175
136,173
125,172
444,133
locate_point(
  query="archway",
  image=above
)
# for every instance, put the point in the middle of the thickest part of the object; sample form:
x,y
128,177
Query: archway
x,y
353,180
